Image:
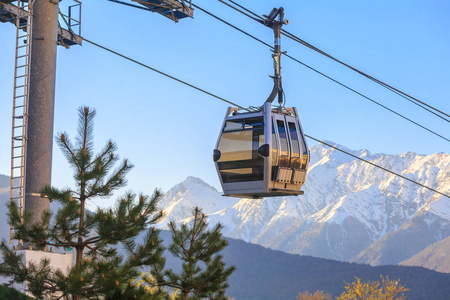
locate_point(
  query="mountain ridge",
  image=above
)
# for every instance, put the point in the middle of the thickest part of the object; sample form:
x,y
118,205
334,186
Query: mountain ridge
x,y
348,208
351,211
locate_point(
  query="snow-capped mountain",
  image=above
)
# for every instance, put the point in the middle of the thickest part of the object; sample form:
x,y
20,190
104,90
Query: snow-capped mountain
x,y
351,210
179,201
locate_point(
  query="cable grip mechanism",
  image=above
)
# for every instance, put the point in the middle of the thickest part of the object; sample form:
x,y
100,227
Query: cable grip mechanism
x,y
275,20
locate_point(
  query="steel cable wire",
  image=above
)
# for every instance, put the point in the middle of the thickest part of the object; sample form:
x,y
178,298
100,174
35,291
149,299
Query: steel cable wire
x,y
229,102
323,74
406,96
162,73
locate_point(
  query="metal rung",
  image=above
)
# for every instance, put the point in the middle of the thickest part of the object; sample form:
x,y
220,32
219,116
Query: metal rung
x,y
17,147
17,156
17,177
20,76
21,56
20,86
22,46
21,66
16,167
18,139
18,126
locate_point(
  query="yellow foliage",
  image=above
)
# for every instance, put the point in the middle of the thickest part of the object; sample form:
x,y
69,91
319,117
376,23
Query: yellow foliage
x,y
150,286
389,290
392,289
318,295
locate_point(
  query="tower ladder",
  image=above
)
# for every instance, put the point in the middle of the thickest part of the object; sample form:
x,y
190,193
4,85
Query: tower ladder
x,y
24,22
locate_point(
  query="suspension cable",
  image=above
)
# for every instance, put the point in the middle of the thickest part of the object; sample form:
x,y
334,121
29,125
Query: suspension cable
x,y
165,74
410,98
375,165
229,102
324,75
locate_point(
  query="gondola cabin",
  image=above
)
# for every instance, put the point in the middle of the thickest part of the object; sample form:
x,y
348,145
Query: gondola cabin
x,y
262,153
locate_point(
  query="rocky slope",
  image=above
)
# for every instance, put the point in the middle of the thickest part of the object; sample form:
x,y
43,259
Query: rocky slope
x,y
433,257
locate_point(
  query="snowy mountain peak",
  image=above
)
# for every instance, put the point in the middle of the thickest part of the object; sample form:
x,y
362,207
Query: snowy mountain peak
x,y
348,206
190,184
180,200
192,181
323,154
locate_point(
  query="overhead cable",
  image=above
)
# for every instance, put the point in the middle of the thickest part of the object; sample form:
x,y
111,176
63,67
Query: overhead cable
x,y
410,98
162,73
375,165
229,102
324,75
385,85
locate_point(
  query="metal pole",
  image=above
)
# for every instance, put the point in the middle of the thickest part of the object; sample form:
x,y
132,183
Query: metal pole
x,y
41,105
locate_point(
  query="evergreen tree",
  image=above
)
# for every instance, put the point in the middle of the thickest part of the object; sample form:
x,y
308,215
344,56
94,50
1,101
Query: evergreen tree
x,y
99,272
204,274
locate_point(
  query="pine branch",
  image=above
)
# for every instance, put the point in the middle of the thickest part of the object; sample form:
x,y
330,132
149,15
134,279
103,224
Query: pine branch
x,y
109,148
66,147
91,241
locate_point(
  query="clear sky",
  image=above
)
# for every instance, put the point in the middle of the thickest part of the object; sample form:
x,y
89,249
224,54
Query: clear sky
x,y
169,130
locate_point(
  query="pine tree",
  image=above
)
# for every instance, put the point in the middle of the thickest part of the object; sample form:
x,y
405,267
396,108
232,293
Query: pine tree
x,y
99,271
204,274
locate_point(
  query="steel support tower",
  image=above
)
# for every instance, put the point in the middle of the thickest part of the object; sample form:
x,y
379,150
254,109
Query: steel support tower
x,y
41,106
37,36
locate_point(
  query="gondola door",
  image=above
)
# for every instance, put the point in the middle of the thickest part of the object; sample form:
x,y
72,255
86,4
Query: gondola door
x,y
282,173
296,152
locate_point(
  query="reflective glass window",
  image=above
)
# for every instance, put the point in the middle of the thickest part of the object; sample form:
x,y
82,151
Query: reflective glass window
x,y
274,147
295,152
244,124
294,140
283,138
239,143
305,156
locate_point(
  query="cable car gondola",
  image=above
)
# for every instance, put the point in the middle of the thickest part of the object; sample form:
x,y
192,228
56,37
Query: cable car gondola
x,y
263,152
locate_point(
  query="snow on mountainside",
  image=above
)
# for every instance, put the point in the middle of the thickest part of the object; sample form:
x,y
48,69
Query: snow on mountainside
x,y
350,211
179,201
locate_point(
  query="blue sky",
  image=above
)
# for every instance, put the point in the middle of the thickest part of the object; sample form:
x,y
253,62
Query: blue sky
x,y
169,130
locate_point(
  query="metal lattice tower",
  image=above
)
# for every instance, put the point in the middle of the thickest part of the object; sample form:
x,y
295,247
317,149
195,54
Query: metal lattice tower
x,y
20,102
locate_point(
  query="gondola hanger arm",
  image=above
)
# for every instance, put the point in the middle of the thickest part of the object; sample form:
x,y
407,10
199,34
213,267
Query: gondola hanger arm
x,y
275,20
